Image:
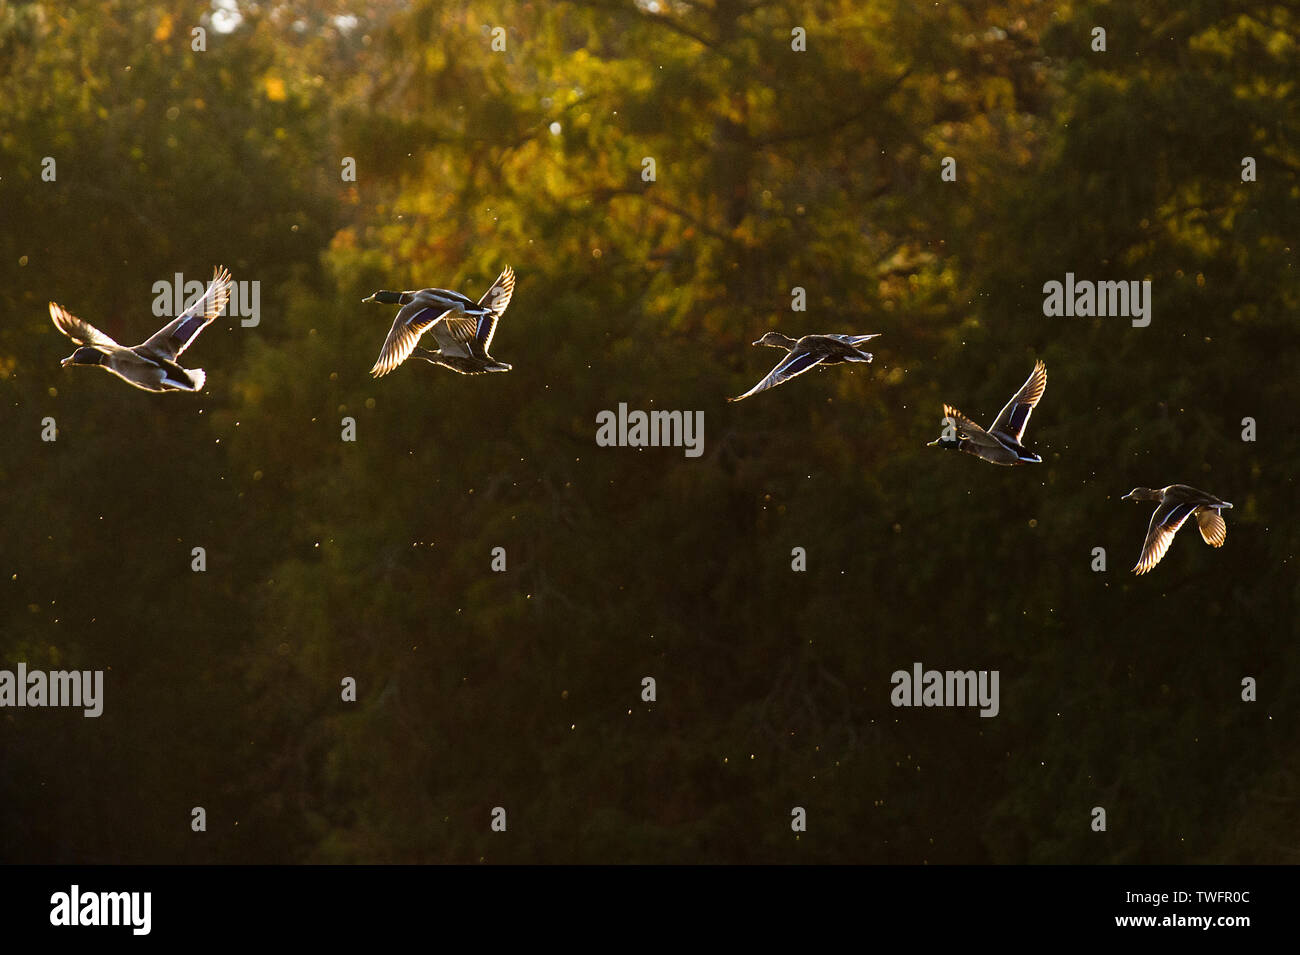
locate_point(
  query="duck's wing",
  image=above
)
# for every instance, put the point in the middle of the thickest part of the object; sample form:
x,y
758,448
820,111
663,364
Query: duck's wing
x,y
966,428
855,340
83,333
411,322
1213,528
1165,522
792,365
1012,420
454,333
497,298
177,335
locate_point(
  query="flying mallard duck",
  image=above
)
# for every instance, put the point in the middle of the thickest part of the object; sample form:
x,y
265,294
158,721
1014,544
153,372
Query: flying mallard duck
x,y
808,352
462,327
1000,444
1178,502
150,366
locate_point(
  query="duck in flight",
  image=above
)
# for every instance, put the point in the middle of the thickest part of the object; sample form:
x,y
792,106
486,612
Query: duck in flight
x,y
1000,444
1177,503
462,327
808,352
151,365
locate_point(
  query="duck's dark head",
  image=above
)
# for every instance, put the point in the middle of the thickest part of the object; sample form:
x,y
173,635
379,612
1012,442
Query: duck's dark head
x,y
386,297
85,355
776,339
952,444
1141,494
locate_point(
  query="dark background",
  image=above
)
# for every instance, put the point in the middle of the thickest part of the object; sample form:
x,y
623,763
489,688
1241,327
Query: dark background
x,y
775,169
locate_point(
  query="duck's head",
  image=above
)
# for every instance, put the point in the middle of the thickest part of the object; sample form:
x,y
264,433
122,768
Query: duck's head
x,y
384,296
1141,494
85,355
776,339
942,442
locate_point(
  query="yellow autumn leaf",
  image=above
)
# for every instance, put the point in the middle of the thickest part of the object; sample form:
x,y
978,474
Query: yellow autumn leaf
x,y
275,89
164,28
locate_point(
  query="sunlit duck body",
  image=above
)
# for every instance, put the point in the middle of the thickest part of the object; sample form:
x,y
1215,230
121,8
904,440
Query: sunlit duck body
x,y
808,352
1178,502
1000,444
462,327
150,366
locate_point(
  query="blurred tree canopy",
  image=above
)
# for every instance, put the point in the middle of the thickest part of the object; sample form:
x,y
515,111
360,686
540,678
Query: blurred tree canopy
x,y
486,134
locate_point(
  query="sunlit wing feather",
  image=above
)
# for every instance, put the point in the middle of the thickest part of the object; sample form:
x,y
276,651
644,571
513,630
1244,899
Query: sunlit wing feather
x,y
1165,522
411,323
454,333
83,333
498,299
1214,529
177,335
791,366
1012,419
965,427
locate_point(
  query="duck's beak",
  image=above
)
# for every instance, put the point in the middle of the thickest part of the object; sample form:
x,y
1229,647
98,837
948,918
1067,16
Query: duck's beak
x,y
1127,497
931,444
759,342
369,298
64,362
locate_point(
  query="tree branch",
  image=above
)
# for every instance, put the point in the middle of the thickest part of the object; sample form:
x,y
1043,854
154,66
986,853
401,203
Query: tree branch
x,y
836,125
